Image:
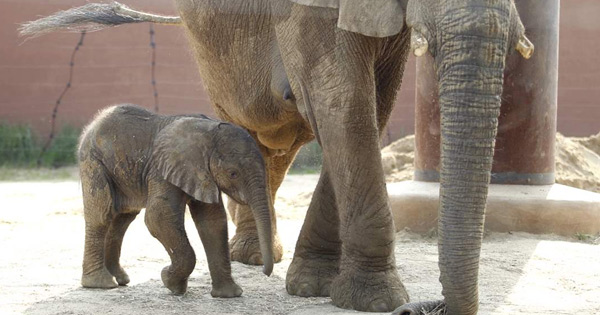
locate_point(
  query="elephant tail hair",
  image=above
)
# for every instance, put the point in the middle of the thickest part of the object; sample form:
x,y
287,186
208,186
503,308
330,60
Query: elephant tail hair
x,y
92,17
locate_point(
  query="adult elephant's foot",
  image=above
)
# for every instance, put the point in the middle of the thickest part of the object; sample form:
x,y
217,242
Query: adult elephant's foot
x,y
422,308
100,278
245,248
311,277
177,285
368,289
226,290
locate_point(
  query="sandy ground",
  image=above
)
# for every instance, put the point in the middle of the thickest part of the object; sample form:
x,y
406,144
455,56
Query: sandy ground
x,y
41,246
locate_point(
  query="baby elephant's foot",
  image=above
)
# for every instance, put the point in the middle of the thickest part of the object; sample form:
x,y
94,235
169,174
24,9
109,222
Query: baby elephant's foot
x,y
121,276
245,248
177,285
99,279
227,290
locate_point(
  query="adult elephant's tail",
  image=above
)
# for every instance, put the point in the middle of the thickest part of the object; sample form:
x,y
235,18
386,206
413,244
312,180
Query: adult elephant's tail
x,y
92,17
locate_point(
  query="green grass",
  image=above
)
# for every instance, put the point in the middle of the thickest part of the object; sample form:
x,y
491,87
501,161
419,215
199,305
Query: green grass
x,y
17,146
62,151
588,238
38,174
20,148
308,160
304,171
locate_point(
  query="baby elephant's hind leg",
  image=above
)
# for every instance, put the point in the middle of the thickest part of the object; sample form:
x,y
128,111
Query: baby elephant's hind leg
x,y
112,245
98,210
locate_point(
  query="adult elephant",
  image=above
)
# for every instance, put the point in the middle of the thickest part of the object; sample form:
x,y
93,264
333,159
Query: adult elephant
x,y
292,70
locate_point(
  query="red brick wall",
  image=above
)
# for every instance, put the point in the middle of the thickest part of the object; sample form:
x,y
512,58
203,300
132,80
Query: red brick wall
x,y
113,66
579,68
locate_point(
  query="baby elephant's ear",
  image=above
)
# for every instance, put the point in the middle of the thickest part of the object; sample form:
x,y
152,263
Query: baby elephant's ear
x,y
181,154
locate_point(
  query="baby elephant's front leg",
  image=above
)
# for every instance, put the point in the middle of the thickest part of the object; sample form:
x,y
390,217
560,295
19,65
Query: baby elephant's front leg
x,y
164,219
211,222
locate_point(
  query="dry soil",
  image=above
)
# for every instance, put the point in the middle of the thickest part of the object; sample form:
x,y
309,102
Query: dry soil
x,y
41,246
577,161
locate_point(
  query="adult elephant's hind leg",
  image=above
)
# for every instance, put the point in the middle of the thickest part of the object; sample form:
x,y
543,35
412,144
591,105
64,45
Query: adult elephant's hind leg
x,y
244,245
113,243
98,211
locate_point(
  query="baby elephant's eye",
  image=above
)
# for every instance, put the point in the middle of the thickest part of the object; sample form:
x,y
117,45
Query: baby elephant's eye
x,y
233,174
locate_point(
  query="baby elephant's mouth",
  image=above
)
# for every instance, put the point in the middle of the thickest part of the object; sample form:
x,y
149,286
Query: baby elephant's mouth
x,y
237,197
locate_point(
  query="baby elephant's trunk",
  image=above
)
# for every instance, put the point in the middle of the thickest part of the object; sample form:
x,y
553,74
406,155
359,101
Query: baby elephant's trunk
x,y
262,215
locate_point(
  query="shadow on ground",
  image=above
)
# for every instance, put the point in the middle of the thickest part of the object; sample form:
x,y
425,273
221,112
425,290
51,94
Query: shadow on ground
x,y
152,297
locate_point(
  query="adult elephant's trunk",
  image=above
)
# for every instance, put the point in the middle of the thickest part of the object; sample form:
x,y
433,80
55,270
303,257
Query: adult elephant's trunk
x,y
469,40
259,204
470,64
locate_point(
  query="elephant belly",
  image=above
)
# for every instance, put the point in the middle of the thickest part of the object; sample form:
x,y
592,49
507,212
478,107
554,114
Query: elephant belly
x,y
126,177
132,205
242,70
130,196
279,140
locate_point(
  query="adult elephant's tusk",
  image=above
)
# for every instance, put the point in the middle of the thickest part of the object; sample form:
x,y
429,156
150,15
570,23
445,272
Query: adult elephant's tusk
x,y
525,47
418,43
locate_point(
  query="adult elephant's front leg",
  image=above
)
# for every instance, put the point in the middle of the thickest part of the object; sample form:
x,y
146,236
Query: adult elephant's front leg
x,y
318,250
334,71
345,119
368,278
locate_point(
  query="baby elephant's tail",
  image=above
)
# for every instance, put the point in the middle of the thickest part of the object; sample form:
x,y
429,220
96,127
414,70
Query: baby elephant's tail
x,y
92,17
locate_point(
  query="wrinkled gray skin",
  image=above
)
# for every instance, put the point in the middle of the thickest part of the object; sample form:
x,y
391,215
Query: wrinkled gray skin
x,y
130,159
252,52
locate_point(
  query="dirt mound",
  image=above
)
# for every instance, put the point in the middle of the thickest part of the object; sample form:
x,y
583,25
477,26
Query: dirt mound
x,y
398,159
577,161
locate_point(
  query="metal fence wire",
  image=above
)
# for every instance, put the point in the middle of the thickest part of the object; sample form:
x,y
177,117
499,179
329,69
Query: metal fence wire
x,y
153,65
59,100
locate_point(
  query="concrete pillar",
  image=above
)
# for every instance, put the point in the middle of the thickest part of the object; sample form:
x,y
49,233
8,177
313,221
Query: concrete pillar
x,y
527,124
524,146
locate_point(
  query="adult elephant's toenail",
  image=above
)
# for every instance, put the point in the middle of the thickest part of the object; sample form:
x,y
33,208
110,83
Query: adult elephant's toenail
x,y
378,306
325,289
305,289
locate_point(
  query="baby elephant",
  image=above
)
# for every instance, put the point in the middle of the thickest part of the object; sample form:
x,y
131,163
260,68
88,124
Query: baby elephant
x,y
130,159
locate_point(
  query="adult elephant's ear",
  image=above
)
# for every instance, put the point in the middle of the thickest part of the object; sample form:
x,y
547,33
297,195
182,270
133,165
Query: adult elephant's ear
x,y
181,156
379,18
